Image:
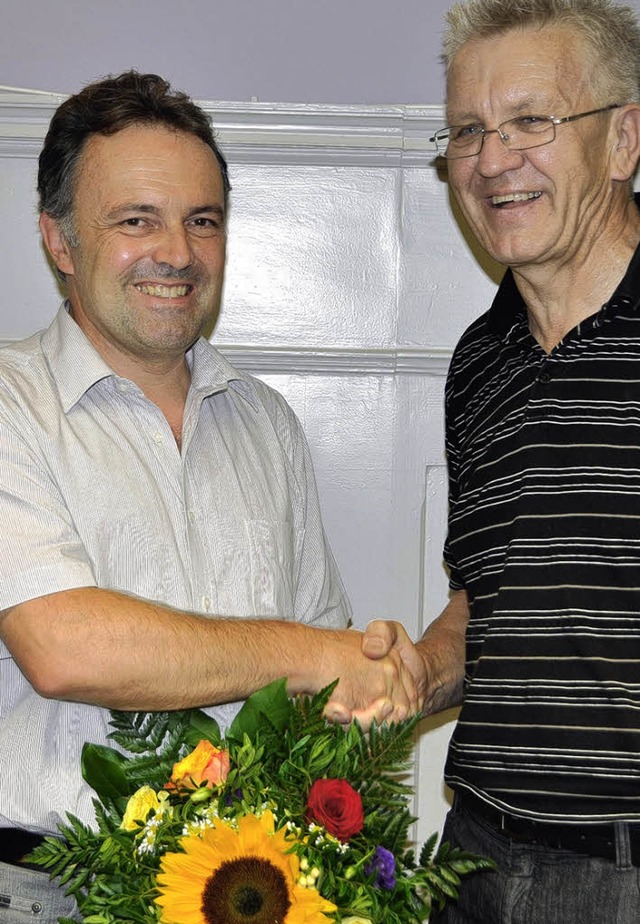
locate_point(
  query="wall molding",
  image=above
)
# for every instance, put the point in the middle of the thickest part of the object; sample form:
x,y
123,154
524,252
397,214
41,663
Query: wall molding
x,y
285,360
254,132
311,361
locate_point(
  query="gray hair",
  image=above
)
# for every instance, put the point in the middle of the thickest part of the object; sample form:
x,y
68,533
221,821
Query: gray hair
x,y
610,30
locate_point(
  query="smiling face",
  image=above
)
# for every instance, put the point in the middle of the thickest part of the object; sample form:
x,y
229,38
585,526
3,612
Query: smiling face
x,y
149,217
545,205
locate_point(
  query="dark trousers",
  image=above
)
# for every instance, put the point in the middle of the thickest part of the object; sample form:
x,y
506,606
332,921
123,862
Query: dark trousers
x,y
534,884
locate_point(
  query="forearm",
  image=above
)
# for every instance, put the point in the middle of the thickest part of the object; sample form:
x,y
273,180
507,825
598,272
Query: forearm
x,y
442,648
110,649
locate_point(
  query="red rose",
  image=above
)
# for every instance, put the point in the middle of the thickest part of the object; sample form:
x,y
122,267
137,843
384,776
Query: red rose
x,y
336,806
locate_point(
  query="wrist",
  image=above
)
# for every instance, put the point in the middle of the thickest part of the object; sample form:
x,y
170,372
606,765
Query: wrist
x,y
311,652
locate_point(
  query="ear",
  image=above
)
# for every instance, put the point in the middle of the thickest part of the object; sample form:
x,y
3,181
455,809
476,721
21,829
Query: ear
x,y
56,243
626,154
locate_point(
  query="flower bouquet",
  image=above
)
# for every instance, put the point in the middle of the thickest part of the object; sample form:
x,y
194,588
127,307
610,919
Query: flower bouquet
x,y
286,819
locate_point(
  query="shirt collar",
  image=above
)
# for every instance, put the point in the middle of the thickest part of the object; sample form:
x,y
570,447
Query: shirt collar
x,y
629,289
211,372
508,314
76,365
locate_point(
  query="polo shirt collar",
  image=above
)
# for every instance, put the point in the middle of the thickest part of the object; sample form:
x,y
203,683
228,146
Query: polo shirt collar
x,y
76,365
508,314
627,291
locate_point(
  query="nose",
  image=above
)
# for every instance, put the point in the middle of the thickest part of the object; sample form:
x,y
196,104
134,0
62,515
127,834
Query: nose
x,y
173,247
495,157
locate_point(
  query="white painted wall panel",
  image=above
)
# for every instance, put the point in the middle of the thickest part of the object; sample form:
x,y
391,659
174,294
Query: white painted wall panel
x,y
442,284
312,259
28,288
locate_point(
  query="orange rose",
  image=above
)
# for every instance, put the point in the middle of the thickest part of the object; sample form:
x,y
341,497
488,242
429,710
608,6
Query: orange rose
x,y
206,765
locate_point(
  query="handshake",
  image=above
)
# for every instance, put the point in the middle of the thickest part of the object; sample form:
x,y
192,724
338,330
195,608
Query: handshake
x,y
382,673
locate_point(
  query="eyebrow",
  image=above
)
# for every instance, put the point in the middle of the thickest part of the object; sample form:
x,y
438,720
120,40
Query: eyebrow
x,y
146,209
528,105
209,208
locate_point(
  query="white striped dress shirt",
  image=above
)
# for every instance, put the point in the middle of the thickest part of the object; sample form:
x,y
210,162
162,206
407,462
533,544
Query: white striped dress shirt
x,y
95,492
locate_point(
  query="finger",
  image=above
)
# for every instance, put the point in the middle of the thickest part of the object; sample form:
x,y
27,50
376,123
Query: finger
x,y
403,690
337,712
399,687
411,658
401,709
389,638
415,665
379,711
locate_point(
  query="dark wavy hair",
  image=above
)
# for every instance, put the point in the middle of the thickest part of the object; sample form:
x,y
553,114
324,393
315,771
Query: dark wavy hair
x,y
106,107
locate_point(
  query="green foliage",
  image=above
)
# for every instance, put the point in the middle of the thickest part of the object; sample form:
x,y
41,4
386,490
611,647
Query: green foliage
x,y
268,709
277,748
104,770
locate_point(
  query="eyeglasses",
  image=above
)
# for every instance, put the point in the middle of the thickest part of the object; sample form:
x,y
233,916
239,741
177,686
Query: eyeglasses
x,y
519,134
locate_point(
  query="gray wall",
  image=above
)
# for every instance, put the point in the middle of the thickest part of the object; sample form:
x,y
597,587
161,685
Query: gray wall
x,y
317,51
309,51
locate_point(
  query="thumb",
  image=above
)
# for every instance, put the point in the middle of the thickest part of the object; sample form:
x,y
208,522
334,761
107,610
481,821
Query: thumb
x,y
378,639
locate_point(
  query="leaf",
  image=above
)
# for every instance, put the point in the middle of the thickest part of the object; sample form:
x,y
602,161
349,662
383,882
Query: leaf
x,y
449,874
103,770
427,851
201,726
269,707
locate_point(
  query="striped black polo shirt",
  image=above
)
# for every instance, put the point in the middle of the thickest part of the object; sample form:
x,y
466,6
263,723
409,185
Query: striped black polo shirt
x,y
544,535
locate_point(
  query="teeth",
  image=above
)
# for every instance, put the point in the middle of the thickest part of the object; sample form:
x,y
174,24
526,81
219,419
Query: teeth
x,y
163,291
515,197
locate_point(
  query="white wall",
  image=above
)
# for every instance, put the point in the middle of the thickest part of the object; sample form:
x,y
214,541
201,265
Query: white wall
x,y
348,283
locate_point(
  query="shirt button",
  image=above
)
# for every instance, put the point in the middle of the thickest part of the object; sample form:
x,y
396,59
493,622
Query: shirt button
x,y
206,603
191,516
36,908
158,437
544,377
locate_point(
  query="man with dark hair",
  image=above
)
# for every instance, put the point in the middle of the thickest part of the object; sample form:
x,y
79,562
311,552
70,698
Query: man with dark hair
x,y
163,546
543,441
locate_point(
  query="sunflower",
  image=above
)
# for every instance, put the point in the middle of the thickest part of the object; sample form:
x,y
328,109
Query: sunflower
x,y
237,876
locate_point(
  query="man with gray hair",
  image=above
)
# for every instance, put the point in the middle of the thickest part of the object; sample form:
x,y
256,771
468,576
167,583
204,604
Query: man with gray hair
x,y
541,639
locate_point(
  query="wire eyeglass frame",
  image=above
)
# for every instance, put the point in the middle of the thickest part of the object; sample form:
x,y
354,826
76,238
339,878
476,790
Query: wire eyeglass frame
x,y
531,131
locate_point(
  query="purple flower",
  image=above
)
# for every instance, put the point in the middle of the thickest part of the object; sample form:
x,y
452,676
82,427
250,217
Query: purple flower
x,y
383,864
